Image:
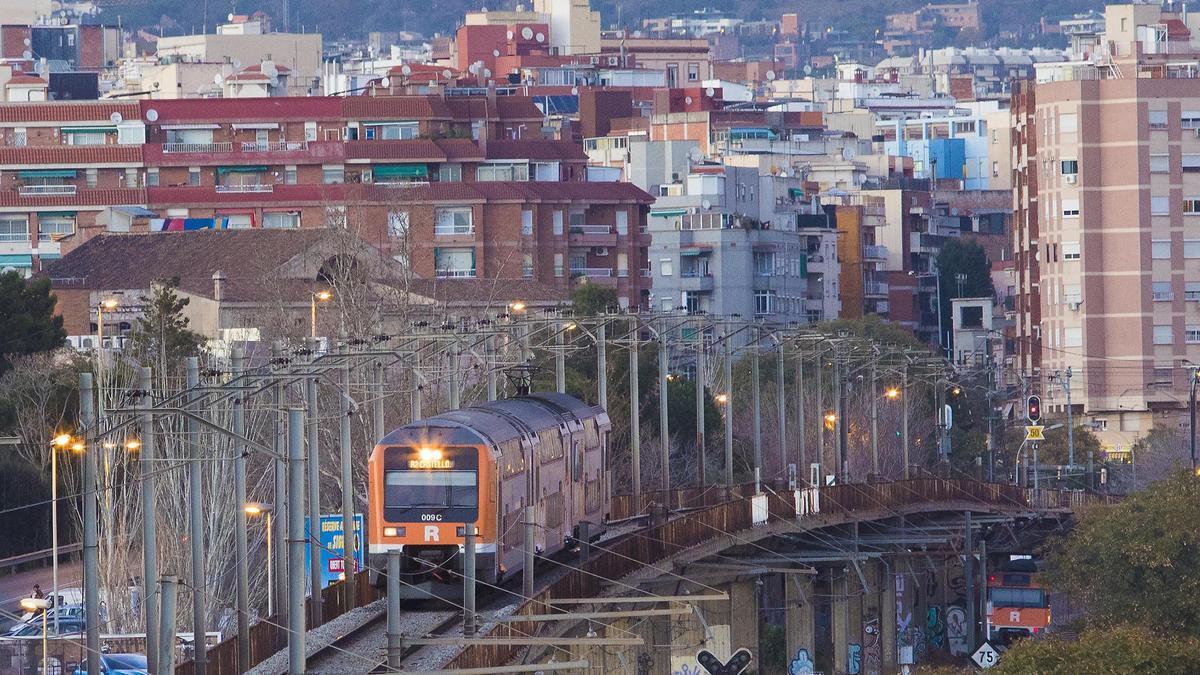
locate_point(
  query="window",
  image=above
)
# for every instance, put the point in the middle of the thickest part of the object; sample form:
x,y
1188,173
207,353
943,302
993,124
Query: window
x,y
672,75
502,171
1158,119
281,220
692,302
693,72
1160,206
1070,208
454,262
397,131
577,263
289,175
1070,167
20,138
1160,249
995,169
239,221
1191,291
1191,205
194,176
764,302
622,222
131,178
1191,163
14,228
1017,597
55,227
1160,163
398,224
450,173
1070,250
431,489
1072,337
91,178
558,223
527,265
764,264
1162,335
577,221
333,175
1161,291
151,177
1190,119
526,222
310,131
1072,293
558,264
455,220
1191,335
1191,248
90,137
1068,123
667,304
546,171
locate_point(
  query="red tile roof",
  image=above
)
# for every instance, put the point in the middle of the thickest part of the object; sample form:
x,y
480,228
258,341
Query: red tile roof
x,y
26,79
394,107
507,108
74,155
61,111
416,149
459,149
279,108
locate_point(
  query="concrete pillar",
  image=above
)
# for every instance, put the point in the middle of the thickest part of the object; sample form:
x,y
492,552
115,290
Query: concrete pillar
x,y
873,606
840,619
799,618
887,618
743,619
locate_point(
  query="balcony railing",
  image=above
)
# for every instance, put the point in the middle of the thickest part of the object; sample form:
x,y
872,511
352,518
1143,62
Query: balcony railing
x,y
646,273
874,252
197,147
274,146
1160,296
591,229
239,188
450,229
34,190
456,273
623,273
592,271
875,288
10,237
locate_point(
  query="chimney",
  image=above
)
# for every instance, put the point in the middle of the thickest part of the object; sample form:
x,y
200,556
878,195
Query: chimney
x,y
218,279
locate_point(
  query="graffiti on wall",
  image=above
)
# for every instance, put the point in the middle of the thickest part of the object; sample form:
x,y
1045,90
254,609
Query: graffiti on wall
x,y
935,628
802,664
903,614
871,646
956,631
688,669
854,658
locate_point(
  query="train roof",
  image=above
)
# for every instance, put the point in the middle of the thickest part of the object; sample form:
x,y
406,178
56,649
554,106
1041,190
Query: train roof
x,y
502,420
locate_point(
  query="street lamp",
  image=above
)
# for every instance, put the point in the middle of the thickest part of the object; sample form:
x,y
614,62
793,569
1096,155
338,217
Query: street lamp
x,y
255,509
892,393
318,296
32,605
60,442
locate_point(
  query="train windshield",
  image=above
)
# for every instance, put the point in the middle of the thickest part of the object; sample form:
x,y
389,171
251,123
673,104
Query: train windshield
x,y
1017,597
432,489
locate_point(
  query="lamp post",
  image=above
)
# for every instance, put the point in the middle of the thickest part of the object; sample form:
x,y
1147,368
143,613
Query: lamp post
x,y
109,304
33,604
259,508
61,441
317,296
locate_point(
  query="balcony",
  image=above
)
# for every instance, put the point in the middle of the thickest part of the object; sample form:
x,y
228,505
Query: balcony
x,y
646,273
1159,296
38,190
696,282
453,230
274,146
592,235
247,188
456,273
875,288
177,148
874,252
592,272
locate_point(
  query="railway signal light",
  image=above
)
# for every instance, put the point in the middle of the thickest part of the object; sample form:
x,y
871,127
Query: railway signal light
x,y
1033,409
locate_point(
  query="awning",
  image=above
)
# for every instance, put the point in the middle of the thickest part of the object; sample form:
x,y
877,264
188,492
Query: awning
x,y
392,123
182,127
56,214
256,125
249,168
47,173
88,130
16,261
668,214
796,193
400,171
689,252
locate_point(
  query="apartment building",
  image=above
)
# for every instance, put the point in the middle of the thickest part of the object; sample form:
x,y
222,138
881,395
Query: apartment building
x,y
456,187
1107,228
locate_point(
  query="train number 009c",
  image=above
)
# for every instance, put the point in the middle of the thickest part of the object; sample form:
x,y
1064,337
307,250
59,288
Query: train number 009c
x,y
426,517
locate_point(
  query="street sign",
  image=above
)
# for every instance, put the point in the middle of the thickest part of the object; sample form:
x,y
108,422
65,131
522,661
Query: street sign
x,y
734,666
332,547
985,657
1034,433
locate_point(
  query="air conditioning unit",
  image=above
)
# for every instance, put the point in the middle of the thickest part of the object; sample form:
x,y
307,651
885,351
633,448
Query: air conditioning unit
x,y
613,60
600,251
1073,306
1070,178
1197,130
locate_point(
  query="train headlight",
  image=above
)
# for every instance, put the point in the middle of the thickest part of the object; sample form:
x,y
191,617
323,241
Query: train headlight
x,y
393,531
429,454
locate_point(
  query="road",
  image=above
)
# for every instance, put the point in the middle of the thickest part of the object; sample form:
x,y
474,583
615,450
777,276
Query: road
x,y
13,587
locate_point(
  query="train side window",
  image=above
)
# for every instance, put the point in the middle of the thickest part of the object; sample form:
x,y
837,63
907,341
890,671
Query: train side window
x,y
576,461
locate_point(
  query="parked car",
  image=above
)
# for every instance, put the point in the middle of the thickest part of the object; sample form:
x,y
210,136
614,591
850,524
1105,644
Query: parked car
x,y
66,626
119,664
64,613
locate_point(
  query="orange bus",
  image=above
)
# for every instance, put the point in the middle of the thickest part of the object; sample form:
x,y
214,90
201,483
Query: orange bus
x,y
1018,604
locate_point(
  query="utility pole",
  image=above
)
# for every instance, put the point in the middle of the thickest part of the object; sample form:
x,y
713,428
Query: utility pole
x,y
415,402
469,580
904,396
296,541
91,544
394,636
560,360
242,542
1192,415
349,536
874,421
165,658
820,420
991,412
781,410
195,522
969,575
727,366
839,422
756,404
452,389
314,500
377,399
149,522
530,549
1070,422
664,436
492,385
800,424
635,432
278,524
602,366
700,400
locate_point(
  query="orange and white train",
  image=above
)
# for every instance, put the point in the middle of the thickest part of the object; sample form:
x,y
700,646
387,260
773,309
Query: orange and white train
x,y
484,465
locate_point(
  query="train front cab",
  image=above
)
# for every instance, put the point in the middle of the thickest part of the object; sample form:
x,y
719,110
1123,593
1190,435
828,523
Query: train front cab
x,y
422,495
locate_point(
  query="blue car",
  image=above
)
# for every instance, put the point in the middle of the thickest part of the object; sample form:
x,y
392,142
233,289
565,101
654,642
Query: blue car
x,y
119,664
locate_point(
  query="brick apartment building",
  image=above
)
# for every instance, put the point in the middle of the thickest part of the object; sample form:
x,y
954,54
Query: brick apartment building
x,y
455,186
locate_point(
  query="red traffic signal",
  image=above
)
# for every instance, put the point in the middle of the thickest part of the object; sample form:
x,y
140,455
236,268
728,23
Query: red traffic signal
x,y
1033,409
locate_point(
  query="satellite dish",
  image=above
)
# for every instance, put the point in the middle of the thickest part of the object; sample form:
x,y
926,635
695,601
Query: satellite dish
x,y
230,18
541,37
473,68
695,155
574,91
27,54
710,92
217,80
706,205
447,74
808,70
527,33
510,35
406,69
495,52
687,100
770,75
27,42
487,72
237,63
783,173
152,115
115,118
386,83
846,154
